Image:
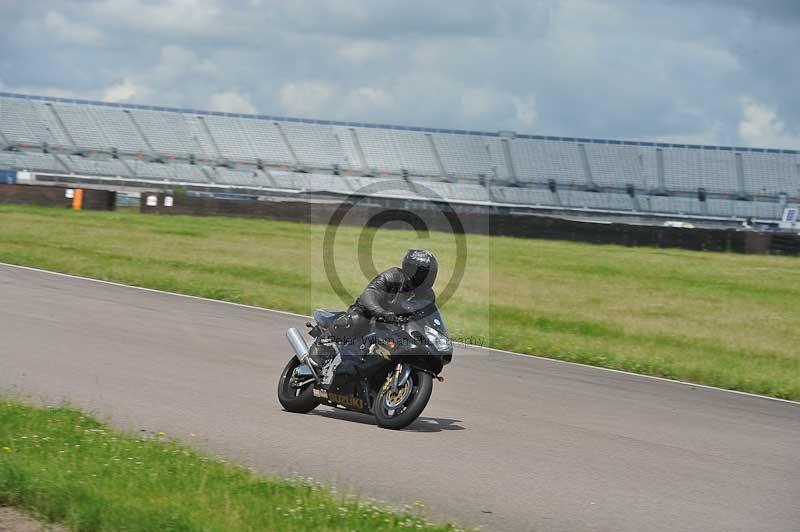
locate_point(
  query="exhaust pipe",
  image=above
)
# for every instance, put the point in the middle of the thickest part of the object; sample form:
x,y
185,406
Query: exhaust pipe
x,y
300,349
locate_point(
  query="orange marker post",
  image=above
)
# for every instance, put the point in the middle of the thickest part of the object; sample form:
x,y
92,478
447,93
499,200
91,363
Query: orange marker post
x,y
77,199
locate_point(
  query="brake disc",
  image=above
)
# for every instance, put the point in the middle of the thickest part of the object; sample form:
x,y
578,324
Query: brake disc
x,y
394,400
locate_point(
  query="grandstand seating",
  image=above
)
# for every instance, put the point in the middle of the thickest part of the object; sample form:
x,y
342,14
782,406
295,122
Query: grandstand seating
x,y
189,173
96,166
229,138
765,210
30,161
84,130
388,150
595,200
203,145
167,133
20,122
226,176
118,129
498,159
615,165
463,154
316,145
744,209
545,160
692,169
288,180
523,196
465,192
268,145
157,171
666,204
141,142
393,187
771,173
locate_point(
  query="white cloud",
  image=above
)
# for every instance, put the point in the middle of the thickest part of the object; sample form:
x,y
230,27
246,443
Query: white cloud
x,y
70,31
126,91
178,63
359,52
55,92
317,99
504,108
306,98
525,110
369,97
231,101
478,103
180,17
760,126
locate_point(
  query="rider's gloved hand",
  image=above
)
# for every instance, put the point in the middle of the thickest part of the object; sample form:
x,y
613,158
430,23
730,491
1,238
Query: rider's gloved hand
x,y
386,317
402,319
390,317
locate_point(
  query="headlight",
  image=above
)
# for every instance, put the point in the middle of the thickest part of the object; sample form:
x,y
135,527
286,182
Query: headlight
x,y
439,341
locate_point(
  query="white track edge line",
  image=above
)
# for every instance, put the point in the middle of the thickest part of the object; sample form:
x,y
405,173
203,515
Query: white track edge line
x,y
287,313
102,281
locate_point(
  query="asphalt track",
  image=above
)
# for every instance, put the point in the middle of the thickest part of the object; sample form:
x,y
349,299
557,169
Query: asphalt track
x,y
508,442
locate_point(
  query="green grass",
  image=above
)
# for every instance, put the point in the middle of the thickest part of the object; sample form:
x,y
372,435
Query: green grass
x,y
720,319
65,467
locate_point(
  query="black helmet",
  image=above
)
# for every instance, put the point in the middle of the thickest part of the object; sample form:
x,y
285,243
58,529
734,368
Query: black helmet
x,y
420,268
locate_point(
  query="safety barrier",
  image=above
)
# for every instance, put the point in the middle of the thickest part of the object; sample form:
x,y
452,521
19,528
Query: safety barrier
x,y
8,177
71,198
514,225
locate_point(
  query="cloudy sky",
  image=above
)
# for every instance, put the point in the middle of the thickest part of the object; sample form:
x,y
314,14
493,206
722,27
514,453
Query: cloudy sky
x,y
704,71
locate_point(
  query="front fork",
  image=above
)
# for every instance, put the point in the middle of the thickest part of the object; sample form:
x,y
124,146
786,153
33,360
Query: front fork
x,y
397,378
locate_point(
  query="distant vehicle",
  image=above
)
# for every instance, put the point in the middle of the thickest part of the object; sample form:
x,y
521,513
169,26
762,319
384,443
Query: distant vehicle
x,y
673,223
394,367
791,219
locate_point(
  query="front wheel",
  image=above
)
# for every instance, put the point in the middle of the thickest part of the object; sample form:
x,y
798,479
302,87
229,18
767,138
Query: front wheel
x,y
299,399
398,410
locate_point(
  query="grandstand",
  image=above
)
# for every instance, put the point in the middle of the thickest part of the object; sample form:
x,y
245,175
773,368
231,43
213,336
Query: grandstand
x,y
154,146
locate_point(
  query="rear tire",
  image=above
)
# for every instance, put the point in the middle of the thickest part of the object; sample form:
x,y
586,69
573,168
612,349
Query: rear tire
x,y
422,387
292,400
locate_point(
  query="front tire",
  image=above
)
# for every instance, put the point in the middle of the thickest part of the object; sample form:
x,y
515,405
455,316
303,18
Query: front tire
x,y
293,399
390,416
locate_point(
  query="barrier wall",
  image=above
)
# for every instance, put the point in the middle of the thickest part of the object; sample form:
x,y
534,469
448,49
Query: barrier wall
x,y
514,225
79,198
8,177
698,239
197,206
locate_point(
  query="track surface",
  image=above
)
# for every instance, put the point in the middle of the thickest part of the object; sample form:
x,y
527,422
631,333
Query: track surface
x,y
508,442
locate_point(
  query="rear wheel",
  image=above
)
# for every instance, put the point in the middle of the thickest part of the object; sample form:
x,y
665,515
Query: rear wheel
x,y
397,410
299,399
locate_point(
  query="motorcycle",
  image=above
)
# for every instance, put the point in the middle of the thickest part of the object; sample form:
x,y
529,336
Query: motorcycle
x,y
391,369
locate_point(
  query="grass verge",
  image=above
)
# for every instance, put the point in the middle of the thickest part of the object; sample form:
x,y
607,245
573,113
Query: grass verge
x,y
66,467
720,319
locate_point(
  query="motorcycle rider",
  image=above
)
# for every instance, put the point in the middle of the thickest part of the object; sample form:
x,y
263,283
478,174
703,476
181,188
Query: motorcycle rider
x,y
384,299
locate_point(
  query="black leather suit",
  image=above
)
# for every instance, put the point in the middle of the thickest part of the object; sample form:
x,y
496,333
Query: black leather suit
x,y
384,298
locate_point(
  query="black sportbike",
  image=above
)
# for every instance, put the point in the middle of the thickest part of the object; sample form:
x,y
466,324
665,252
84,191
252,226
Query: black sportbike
x,y
388,372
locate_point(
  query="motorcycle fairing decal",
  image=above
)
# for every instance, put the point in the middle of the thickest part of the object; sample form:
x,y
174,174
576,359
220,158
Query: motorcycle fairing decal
x,y
382,351
346,400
